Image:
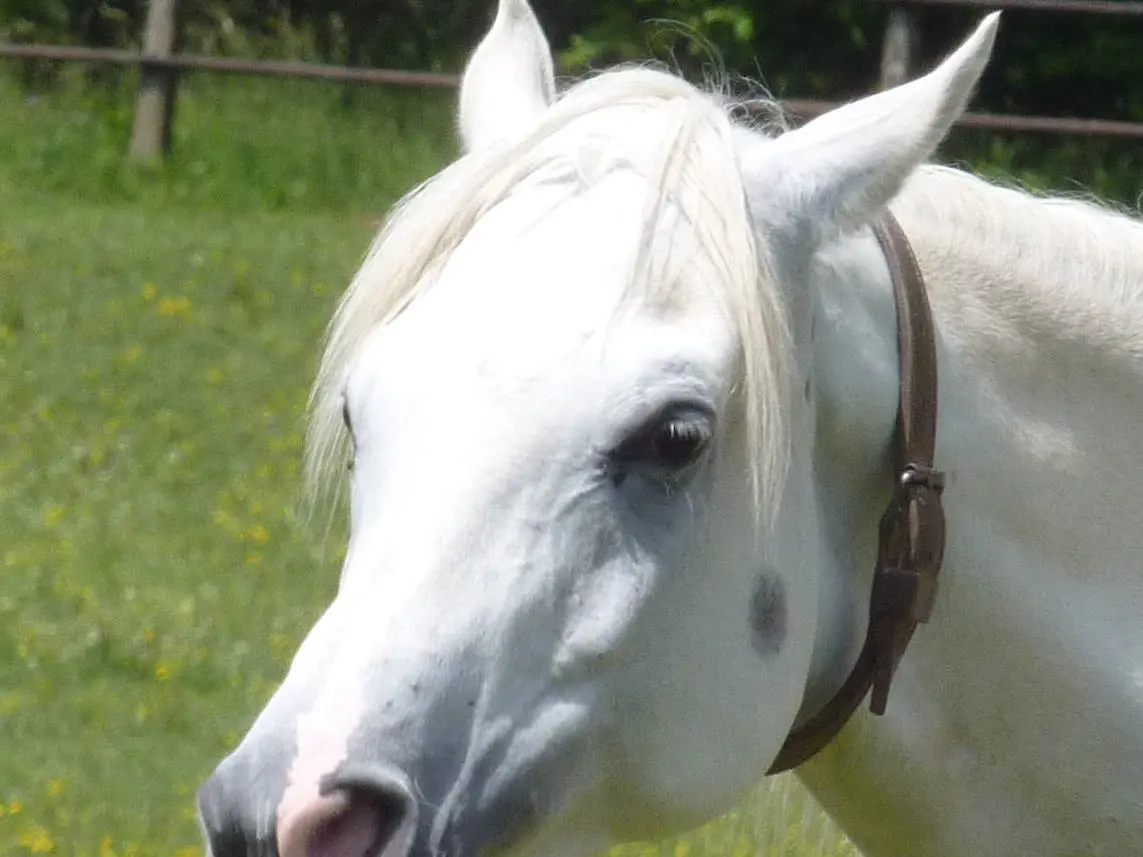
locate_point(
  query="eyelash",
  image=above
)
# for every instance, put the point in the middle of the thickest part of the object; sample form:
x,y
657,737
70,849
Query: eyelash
x,y
671,445
349,430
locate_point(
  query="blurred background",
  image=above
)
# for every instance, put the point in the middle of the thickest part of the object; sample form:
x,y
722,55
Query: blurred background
x,y
161,315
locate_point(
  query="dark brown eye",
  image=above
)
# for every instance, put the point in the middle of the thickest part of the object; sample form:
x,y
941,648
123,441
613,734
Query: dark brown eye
x,y
677,443
665,448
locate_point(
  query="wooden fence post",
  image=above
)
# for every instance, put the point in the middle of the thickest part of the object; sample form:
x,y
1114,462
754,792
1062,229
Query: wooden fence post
x,y
897,50
155,109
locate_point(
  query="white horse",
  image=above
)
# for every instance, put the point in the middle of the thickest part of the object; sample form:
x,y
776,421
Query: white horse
x,y
619,387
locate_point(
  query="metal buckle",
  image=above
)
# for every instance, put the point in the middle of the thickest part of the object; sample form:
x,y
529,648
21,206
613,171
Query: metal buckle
x,y
922,474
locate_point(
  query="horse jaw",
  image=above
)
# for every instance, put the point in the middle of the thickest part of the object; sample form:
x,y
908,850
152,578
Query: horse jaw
x,y
508,81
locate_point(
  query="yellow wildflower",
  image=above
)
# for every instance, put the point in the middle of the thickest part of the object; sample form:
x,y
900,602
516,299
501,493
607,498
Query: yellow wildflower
x,y
149,292
258,533
37,840
173,307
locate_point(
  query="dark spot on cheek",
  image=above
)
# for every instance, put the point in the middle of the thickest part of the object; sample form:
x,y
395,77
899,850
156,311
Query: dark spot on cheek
x,y
807,390
768,615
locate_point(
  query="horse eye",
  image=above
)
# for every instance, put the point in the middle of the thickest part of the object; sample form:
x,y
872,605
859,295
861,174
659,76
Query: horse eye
x,y
677,443
669,445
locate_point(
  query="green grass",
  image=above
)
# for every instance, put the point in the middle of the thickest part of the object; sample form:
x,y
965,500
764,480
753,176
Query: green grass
x,y
239,143
158,330
155,575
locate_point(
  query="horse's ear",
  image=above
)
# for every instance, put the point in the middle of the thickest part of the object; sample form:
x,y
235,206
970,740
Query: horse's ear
x,y
836,173
509,79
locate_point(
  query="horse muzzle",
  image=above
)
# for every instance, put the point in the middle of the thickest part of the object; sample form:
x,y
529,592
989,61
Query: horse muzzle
x,y
368,812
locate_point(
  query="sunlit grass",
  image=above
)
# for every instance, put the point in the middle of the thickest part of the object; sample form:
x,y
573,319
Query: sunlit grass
x,y
155,574
158,331
238,142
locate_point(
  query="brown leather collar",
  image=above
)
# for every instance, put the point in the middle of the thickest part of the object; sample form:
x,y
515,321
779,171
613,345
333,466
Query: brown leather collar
x,y
912,533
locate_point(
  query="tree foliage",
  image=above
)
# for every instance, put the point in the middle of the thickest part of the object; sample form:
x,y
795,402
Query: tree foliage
x,y
1050,64
1045,64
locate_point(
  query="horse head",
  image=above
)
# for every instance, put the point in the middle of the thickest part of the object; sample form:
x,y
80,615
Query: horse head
x,y
580,602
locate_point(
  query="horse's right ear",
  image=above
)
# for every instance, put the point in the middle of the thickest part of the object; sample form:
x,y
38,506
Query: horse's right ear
x,y
509,79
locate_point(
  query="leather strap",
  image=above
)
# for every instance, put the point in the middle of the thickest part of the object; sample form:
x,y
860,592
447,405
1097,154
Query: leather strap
x,y
912,531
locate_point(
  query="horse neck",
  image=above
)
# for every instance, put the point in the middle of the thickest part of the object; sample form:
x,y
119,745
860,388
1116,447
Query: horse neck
x,y
852,388
1039,340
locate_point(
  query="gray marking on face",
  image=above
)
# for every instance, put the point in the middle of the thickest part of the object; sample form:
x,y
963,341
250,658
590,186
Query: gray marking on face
x,y
768,614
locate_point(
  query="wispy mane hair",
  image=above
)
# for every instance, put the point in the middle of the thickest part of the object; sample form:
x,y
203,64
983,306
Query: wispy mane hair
x,y
692,169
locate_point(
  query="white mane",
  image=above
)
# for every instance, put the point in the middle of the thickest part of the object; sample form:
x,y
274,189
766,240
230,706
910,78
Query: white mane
x,y
691,168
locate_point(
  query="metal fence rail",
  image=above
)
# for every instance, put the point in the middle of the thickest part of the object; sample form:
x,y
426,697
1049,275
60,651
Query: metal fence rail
x,y
197,62
808,108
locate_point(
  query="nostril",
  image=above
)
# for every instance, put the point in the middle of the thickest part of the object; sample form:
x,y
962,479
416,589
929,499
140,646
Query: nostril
x,y
365,828
355,818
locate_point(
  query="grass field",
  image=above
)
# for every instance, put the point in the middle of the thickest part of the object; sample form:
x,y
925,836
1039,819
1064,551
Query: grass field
x,y
158,331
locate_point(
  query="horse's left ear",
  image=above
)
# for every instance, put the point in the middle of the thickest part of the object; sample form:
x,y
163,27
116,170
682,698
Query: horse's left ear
x,y
509,79
836,173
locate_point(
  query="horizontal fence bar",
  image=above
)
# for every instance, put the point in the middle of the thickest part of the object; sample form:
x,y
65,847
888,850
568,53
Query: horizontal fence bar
x,y
1052,125
808,108
1098,7
805,108
195,62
